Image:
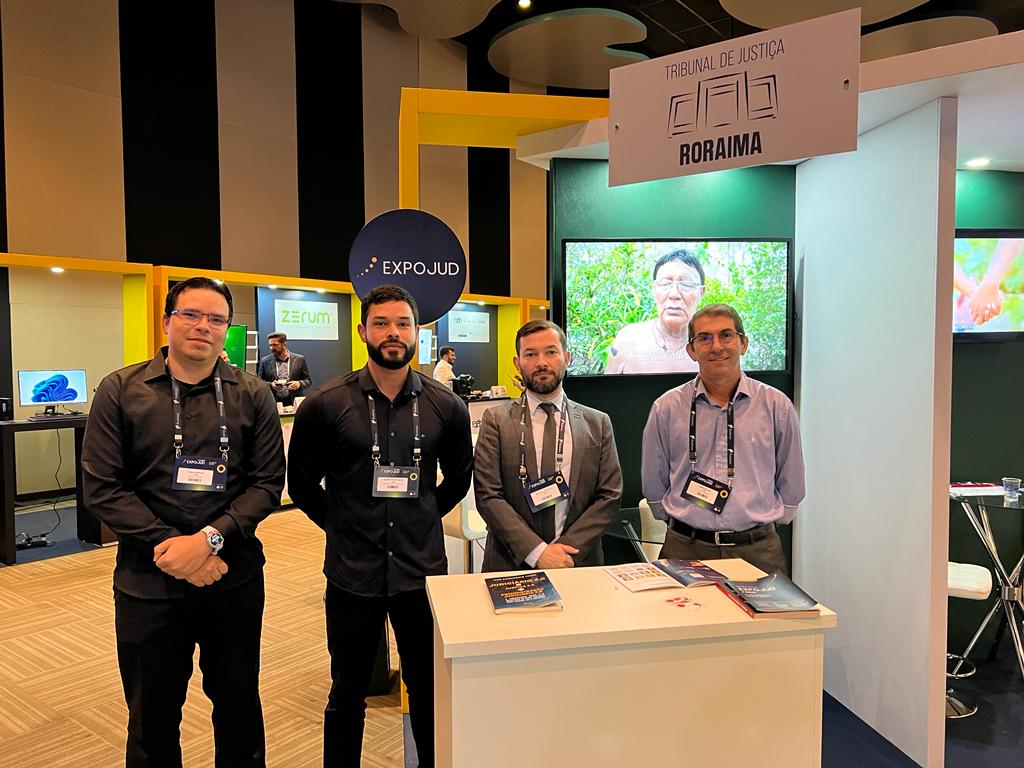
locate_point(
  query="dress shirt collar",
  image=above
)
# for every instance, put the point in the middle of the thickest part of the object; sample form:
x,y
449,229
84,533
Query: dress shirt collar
x,y
533,402
412,384
157,369
743,388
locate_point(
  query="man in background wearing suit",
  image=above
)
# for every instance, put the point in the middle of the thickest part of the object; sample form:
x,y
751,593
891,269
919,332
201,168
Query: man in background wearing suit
x,y
286,371
546,472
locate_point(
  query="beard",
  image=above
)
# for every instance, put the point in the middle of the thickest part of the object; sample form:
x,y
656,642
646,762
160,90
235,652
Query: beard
x,y
386,361
545,387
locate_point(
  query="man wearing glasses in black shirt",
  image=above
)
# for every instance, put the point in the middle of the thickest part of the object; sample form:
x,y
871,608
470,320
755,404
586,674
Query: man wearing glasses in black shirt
x,y
183,458
376,437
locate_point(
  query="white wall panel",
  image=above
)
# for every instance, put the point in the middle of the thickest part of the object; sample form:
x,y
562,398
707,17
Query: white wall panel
x,y
874,238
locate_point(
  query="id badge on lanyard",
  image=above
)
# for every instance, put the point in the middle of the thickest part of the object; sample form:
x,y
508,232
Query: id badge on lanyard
x,y
545,491
199,473
700,489
396,482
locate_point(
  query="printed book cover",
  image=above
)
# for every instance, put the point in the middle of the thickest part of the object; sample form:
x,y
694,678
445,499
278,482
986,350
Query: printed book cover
x,y
771,597
523,593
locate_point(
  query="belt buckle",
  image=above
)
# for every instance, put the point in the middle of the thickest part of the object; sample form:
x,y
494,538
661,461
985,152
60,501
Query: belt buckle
x,y
720,543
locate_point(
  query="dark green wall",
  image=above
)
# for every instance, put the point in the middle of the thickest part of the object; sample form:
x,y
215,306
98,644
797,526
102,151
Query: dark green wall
x,y
987,430
751,202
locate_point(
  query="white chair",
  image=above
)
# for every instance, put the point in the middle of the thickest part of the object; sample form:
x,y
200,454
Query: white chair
x,y
651,530
970,582
465,523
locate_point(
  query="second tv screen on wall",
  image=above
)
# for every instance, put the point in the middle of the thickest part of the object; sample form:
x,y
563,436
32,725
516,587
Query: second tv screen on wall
x,y
628,302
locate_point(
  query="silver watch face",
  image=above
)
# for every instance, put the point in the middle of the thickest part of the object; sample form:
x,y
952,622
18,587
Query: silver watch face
x,y
215,540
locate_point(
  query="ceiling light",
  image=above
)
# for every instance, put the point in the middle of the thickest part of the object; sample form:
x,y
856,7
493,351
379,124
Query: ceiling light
x,y
978,162
481,303
544,307
524,4
321,290
56,270
272,287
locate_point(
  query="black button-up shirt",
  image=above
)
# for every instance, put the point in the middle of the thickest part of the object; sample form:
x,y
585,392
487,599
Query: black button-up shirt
x,y
128,466
378,546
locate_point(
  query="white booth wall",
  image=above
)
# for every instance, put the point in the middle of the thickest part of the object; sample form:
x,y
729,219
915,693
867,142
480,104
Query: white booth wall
x,y
874,238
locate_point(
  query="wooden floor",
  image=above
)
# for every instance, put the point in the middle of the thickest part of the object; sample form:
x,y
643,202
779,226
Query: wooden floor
x,y
60,694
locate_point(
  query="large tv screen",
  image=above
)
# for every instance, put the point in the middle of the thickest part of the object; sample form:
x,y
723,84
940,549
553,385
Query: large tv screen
x,y
628,302
988,285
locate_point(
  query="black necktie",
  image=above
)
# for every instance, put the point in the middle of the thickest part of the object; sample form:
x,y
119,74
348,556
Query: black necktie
x,y
547,456
547,468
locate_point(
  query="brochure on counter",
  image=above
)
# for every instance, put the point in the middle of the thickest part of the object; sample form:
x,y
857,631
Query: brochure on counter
x,y
523,593
662,574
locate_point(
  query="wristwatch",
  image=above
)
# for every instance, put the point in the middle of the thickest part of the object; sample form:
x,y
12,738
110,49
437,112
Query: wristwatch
x,y
214,538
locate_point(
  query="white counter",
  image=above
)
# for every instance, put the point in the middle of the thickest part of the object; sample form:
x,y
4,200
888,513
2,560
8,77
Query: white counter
x,y
620,678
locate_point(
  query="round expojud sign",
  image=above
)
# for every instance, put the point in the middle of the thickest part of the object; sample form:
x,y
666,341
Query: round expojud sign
x,y
415,251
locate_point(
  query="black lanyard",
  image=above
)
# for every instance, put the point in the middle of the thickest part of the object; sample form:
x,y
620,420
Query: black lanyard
x,y
179,437
730,444
559,455
375,450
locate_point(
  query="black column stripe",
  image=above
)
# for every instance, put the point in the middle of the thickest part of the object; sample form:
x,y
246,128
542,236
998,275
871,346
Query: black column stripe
x,y
329,125
490,225
6,355
169,119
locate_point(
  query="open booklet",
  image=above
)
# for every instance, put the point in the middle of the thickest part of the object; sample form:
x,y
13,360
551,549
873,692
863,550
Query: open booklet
x,y
523,593
660,574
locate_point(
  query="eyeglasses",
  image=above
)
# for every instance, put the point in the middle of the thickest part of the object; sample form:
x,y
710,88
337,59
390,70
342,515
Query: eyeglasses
x,y
727,338
683,285
193,316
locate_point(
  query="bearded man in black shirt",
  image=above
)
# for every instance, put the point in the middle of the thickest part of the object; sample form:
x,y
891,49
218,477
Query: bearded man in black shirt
x,y
376,436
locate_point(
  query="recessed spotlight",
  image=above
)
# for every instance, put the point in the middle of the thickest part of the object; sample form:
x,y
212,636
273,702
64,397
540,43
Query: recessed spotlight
x,y
321,290
481,303
978,162
56,270
272,287
525,4
544,308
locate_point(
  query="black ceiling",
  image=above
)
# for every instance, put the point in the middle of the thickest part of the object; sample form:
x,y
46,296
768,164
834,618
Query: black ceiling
x,y
677,25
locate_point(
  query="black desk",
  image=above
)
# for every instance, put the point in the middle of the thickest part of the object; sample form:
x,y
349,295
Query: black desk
x,y
89,528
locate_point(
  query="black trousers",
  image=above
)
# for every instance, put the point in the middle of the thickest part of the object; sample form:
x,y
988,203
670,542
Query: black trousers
x,y
156,640
354,626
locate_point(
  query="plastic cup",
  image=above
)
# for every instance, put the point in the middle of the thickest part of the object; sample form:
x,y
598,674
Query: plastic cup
x,y
1011,487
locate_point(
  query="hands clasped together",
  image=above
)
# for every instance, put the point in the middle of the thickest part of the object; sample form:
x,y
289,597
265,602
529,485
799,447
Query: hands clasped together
x,y
189,558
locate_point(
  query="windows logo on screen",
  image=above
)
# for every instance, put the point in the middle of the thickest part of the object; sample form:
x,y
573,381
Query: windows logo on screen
x,y
55,389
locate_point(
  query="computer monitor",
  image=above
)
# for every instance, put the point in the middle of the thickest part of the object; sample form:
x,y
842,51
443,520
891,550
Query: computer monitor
x,y
52,388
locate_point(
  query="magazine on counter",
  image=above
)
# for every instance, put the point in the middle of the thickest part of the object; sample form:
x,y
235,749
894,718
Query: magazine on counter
x,y
523,593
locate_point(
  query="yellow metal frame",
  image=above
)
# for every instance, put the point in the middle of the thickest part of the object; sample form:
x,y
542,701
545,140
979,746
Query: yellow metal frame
x,y
136,291
476,119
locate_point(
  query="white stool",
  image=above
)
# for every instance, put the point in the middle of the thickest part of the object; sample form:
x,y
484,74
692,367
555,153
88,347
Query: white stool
x,y
651,530
465,523
970,582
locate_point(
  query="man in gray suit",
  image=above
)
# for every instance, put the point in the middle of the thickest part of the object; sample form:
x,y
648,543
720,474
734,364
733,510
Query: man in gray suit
x,y
546,472
286,371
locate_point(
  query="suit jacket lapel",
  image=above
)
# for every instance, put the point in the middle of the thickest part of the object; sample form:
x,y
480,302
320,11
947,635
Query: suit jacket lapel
x,y
531,449
580,439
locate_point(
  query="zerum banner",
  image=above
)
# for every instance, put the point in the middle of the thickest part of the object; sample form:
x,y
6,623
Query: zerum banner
x,y
783,94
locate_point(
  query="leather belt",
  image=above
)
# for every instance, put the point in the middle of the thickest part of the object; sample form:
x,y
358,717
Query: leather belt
x,y
724,538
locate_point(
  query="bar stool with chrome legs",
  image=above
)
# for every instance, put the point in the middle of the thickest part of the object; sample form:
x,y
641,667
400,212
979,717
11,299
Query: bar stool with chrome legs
x,y
971,582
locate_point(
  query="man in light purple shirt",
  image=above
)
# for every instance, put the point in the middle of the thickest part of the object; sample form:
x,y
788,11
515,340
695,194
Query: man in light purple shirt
x,y
722,494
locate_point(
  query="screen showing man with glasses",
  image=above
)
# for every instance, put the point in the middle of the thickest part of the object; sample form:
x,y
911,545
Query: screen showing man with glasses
x,y
659,345
722,461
